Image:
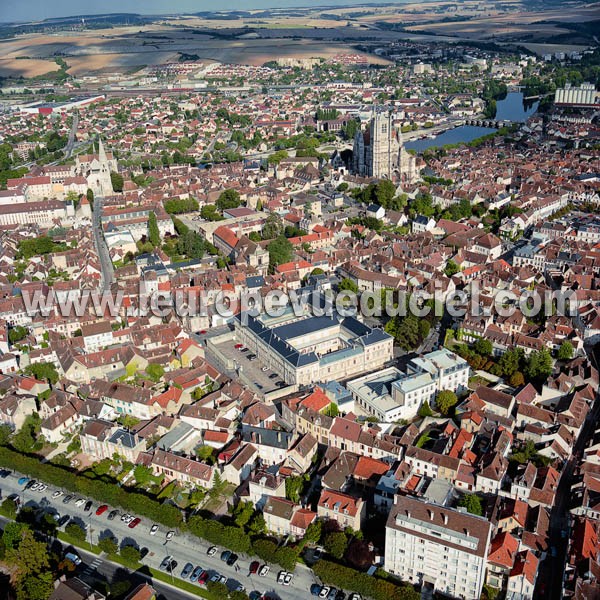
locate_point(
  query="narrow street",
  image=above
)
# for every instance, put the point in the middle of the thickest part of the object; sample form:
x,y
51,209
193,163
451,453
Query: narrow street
x,y
101,248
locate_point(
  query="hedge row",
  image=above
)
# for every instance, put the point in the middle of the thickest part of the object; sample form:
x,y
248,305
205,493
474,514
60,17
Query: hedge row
x,y
108,493
366,585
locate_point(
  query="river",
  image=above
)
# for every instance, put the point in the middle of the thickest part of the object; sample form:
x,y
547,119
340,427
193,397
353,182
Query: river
x,y
512,108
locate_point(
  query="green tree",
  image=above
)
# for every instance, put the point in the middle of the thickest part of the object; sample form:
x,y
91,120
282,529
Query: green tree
x,y
117,181
349,285
206,454
483,347
445,401
130,555
565,352
75,531
510,361
153,232
108,545
280,251
17,333
273,227
9,508
293,488
5,433
43,371
277,157
539,365
335,543
209,212
24,440
472,502
425,410
13,534
30,556
155,371
451,268
228,199
516,379
314,532
35,586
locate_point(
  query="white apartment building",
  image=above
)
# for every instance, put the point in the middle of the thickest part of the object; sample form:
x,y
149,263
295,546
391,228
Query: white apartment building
x,y
391,395
429,543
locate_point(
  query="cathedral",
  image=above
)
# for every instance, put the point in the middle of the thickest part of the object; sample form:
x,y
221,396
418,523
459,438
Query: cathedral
x,y
96,168
378,152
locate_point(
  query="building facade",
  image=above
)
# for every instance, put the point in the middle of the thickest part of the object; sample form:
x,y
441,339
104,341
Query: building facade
x,y
443,547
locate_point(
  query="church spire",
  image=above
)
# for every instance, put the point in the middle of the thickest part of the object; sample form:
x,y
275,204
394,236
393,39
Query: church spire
x,y
101,153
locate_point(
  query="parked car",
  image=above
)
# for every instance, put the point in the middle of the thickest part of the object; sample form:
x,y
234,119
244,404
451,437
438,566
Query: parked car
x,y
57,494
238,346
340,595
232,559
23,480
253,567
203,578
63,520
315,589
212,551
73,558
79,501
186,571
113,514
67,499
166,561
134,523
264,571
355,596
196,573
170,535
88,506
101,509
284,578
153,529
42,487
225,555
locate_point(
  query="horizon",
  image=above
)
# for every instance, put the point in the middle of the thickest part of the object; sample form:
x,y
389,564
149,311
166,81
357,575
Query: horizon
x,y
36,11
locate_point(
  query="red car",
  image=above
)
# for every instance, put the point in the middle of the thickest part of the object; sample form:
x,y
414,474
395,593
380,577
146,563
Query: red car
x,y
238,346
101,509
254,567
134,523
203,578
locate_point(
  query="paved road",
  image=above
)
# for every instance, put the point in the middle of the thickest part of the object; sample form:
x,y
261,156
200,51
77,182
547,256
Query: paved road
x,y
183,548
101,247
95,569
71,140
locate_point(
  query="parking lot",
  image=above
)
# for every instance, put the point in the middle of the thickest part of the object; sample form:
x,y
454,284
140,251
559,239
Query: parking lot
x,y
250,368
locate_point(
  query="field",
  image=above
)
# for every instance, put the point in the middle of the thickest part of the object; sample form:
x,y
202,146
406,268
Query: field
x,y
259,36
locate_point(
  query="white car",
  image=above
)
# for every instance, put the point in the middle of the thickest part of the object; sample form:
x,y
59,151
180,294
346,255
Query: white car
x,y
42,487
287,578
34,487
80,502
170,535
57,494
265,369
324,592
264,570
153,529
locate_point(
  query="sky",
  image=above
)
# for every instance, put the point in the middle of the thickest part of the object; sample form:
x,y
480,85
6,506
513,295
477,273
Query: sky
x,y
33,10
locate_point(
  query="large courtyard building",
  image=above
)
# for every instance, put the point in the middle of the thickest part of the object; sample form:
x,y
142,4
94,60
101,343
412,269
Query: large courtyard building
x,y
391,395
443,547
309,349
